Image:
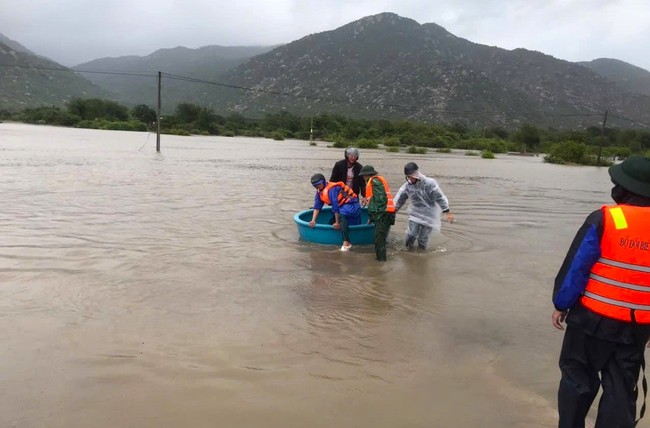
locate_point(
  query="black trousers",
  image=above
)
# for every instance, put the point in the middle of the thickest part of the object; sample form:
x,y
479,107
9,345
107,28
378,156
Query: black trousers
x,y
587,363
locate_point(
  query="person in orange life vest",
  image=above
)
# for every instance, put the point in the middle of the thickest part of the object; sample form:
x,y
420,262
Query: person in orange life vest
x,y
381,208
602,291
344,202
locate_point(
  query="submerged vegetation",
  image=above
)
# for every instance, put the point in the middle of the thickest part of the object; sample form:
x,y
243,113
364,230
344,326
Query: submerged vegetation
x,y
583,146
578,153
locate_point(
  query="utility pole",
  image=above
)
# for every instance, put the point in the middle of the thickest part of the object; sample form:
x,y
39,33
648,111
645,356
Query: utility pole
x,y
602,138
311,130
158,113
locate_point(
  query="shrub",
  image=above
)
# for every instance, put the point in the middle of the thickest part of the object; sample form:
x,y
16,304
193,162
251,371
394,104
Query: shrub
x,y
178,131
416,150
408,139
49,115
95,108
443,150
496,146
390,141
366,144
339,142
392,149
88,124
568,151
486,154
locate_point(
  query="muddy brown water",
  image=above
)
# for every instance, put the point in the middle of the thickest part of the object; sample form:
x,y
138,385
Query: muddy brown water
x,y
167,290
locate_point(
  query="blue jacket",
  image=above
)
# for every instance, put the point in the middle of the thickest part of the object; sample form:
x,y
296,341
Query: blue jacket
x,y
351,208
572,278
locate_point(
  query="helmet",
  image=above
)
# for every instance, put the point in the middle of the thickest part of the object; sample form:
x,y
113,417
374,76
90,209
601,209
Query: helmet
x,y
351,151
367,170
317,178
633,174
410,168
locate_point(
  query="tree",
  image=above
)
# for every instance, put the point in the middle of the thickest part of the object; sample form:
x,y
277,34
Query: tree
x,y
144,114
529,136
496,132
187,113
567,151
205,119
459,128
95,108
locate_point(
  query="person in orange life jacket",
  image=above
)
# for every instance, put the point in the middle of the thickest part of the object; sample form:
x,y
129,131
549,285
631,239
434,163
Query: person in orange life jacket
x,y
602,291
381,208
347,171
344,202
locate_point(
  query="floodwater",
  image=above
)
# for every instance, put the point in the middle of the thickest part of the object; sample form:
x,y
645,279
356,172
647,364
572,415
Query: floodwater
x,y
171,290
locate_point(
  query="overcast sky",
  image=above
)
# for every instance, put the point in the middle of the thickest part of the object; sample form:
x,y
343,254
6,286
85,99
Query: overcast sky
x,y
75,31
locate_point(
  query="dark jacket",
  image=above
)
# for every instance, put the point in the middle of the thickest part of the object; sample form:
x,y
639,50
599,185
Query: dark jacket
x,y
340,173
572,279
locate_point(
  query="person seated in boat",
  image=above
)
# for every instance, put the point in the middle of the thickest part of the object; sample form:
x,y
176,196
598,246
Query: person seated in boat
x,y
427,203
345,206
347,171
381,208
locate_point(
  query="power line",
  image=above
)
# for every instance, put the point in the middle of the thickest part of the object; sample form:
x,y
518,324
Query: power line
x,y
402,107
631,120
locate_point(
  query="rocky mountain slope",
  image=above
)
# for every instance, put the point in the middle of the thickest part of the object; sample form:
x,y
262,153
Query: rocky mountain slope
x,y
389,66
627,76
381,66
28,80
206,63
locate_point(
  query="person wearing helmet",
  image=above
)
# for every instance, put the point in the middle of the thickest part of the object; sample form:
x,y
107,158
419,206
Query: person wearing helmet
x,y
344,202
347,171
381,208
428,201
602,292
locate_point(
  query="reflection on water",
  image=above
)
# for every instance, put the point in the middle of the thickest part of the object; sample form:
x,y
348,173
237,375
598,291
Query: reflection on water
x,y
144,289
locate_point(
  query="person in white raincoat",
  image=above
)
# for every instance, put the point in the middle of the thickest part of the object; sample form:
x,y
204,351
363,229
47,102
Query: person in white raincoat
x,y
427,203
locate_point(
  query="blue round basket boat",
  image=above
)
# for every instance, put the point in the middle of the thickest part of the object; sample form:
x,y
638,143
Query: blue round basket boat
x,y
324,233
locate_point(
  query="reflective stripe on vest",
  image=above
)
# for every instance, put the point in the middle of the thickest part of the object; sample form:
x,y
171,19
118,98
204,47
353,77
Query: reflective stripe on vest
x,y
619,282
344,196
390,205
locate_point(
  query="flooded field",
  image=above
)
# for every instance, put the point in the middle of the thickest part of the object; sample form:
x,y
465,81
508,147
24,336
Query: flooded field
x,y
166,290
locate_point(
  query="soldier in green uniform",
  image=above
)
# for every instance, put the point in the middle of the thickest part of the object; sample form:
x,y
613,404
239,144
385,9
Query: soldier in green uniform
x,y
381,208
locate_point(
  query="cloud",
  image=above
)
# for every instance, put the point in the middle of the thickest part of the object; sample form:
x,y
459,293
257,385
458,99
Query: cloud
x,y
74,31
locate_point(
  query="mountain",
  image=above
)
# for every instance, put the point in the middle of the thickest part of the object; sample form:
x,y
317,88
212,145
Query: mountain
x,y
205,63
393,67
627,76
14,45
381,66
28,80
